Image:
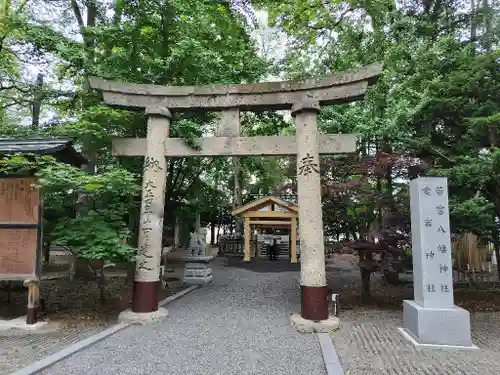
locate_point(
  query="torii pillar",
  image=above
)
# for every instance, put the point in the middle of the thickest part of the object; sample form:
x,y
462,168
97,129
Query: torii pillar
x,y
314,293
147,272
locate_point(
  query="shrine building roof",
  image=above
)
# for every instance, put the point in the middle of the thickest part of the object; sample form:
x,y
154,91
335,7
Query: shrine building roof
x,y
61,149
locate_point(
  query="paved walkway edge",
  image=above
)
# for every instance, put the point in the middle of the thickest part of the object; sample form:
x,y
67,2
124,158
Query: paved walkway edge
x,y
330,357
52,359
178,295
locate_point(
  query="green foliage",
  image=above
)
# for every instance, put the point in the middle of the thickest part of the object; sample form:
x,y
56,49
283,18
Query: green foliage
x,y
99,230
156,42
86,212
93,237
436,103
473,215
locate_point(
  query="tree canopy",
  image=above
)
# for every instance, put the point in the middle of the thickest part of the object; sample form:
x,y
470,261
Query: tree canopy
x,y
435,109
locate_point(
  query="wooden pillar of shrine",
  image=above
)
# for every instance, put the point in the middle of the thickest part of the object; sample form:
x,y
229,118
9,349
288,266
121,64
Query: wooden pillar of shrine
x,y
246,237
253,244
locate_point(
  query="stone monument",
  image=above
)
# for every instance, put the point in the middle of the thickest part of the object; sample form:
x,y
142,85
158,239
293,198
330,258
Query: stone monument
x,y
432,318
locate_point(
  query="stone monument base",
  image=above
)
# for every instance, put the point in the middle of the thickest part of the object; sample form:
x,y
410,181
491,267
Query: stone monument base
x,y
128,316
198,270
434,327
311,326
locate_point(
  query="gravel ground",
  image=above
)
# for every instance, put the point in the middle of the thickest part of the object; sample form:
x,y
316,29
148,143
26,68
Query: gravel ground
x,y
368,342
77,302
373,346
19,349
238,325
74,313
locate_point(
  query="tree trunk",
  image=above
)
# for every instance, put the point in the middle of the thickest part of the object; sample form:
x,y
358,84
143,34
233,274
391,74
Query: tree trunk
x,y
37,102
364,259
496,245
487,18
365,285
212,233
237,201
177,232
380,205
46,252
366,265
82,269
101,282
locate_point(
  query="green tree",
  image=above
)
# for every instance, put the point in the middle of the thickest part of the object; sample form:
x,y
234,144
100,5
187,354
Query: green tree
x,y
434,109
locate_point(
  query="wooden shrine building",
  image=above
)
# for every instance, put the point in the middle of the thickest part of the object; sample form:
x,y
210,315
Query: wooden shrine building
x,y
21,213
269,212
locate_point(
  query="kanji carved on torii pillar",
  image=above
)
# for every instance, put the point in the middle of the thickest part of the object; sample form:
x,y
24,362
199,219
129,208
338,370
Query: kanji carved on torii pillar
x,y
303,98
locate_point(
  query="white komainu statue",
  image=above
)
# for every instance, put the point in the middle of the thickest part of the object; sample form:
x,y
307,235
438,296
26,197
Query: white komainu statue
x,y
197,242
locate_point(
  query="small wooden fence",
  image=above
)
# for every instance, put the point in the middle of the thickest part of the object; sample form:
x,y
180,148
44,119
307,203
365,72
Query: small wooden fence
x,y
234,247
231,246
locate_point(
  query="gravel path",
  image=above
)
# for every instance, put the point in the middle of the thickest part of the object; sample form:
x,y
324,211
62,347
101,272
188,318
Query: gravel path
x,y
19,349
373,346
238,325
369,343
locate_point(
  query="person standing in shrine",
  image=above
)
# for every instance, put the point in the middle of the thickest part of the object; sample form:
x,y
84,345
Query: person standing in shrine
x,y
274,250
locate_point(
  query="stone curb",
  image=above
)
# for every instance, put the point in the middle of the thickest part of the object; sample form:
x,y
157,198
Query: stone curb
x,y
330,357
52,359
177,295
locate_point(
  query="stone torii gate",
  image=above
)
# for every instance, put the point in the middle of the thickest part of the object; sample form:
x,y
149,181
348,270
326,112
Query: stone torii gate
x,y
304,98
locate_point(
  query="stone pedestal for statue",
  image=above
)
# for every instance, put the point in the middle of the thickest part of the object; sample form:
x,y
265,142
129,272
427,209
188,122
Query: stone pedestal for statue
x,y
432,319
198,270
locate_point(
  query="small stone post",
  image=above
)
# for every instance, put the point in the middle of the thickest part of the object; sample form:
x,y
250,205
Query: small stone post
x,y
314,293
147,281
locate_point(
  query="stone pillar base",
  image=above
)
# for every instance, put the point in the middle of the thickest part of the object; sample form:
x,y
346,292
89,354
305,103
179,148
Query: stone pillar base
x,y
128,316
198,270
332,323
434,326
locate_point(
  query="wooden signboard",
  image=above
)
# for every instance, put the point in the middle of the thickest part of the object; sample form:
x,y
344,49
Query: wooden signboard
x,y
20,229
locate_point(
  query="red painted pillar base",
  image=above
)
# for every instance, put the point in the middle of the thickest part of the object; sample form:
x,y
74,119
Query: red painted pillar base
x,y
32,315
314,302
145,296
